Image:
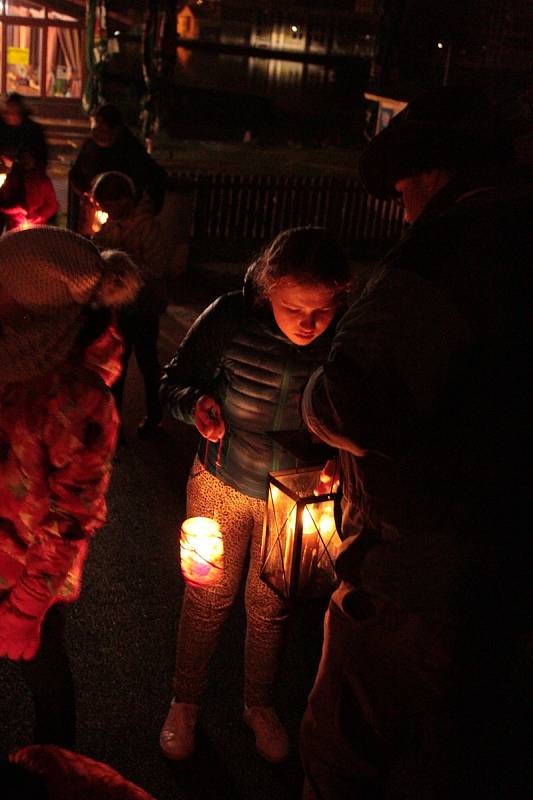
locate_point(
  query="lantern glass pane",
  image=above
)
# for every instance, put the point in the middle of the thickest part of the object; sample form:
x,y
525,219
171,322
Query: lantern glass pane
x,y
279,538
300,540
320,542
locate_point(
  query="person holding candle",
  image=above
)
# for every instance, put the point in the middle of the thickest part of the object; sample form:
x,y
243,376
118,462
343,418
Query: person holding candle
x,y
28,196
59,355
237,376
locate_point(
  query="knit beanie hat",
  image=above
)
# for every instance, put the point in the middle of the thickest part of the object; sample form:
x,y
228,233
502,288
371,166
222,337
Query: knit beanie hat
x,y
53,275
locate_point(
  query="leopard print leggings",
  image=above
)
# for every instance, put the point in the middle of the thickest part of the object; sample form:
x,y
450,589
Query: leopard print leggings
x,y
204,610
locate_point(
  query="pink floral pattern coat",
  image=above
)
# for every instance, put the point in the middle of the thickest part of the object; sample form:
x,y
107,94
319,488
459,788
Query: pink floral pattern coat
x,y
57,439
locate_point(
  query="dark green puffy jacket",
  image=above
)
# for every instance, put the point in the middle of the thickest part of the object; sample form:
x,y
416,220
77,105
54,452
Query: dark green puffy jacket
x,y
236,353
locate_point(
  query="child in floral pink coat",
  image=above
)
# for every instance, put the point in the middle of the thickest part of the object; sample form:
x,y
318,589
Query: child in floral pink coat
x,y
59,355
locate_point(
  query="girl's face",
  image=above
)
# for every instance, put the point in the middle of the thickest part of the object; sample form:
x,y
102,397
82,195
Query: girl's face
x,y
302,310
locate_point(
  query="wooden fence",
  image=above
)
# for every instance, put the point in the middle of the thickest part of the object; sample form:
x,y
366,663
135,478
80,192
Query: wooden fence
x,y
204,209
255,208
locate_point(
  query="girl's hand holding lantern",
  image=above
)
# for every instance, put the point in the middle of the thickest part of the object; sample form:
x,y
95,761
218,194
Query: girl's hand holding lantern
x,y
208,418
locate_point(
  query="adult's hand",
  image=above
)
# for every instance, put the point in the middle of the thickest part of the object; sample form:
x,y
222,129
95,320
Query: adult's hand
x,y
329,477
208,418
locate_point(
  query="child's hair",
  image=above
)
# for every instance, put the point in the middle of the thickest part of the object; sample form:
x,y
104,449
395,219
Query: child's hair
x,y
110,114
306,255
112,186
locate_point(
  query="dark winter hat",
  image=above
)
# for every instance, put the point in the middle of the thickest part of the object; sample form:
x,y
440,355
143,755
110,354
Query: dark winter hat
x,y
52,275
452,127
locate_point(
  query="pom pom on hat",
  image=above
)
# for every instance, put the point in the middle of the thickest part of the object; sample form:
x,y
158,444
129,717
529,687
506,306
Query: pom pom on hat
x,y
120,281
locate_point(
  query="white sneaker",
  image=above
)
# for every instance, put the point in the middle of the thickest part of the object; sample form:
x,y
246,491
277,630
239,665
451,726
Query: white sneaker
x,y
177,737
271,738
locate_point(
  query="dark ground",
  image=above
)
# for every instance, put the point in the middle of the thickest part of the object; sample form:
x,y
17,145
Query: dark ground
x,y
122,630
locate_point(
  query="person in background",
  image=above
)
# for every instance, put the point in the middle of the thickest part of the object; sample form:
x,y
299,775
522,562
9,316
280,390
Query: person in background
x,y
28,196
59,355
112,147
237,376
131,227
426,662
18,129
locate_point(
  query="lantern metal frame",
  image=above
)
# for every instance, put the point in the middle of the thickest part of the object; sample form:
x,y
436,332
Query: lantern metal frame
x,y
291,587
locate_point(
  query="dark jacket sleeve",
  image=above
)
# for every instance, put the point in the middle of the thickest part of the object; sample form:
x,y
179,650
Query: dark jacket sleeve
x,y
198,361
387,366
156,183
80,173
148,175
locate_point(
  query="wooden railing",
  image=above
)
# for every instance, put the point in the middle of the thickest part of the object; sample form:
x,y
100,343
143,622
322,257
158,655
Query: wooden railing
x,y
256,207
219,208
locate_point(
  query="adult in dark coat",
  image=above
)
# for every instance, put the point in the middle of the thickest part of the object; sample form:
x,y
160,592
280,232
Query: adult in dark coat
x,y
423,394
18,130
113,147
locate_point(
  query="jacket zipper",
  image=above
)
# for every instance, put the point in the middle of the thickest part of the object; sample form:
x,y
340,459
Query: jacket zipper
x,y
284,390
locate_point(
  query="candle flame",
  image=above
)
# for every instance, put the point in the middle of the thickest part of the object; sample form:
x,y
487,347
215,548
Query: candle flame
x,y
3,178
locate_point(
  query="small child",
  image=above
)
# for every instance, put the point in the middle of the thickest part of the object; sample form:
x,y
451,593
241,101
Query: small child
x,y
135,230
28,196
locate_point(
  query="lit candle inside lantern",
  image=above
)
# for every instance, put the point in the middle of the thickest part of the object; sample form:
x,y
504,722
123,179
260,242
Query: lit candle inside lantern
x,y
326,524
3,178
201,551
309,542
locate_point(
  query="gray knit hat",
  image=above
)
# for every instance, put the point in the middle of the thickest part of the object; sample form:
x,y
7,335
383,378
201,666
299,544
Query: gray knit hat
x,y
53,274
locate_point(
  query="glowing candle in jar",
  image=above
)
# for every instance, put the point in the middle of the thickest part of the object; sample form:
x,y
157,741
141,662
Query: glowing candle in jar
x,y
100,218
201,551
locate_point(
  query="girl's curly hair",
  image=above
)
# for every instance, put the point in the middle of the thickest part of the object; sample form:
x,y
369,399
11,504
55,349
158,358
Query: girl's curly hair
x,y
305,255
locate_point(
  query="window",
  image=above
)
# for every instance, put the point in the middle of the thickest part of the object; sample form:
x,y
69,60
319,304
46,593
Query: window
x,y
24,45
33,65
63,62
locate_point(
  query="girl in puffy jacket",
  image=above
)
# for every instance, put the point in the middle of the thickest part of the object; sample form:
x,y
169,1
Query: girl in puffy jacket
x,y
238,376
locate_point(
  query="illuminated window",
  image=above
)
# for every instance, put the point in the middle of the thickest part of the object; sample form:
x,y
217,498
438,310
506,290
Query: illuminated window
x,y
63,62
24,47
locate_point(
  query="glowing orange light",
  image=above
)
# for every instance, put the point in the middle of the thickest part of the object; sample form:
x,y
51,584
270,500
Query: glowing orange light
x,y
201,551
3,178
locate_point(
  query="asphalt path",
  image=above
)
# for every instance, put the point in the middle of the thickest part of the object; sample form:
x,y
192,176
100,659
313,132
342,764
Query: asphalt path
x,y
122,632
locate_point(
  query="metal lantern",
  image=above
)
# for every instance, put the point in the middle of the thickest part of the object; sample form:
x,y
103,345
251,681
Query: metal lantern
x,y
201,551
300,538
